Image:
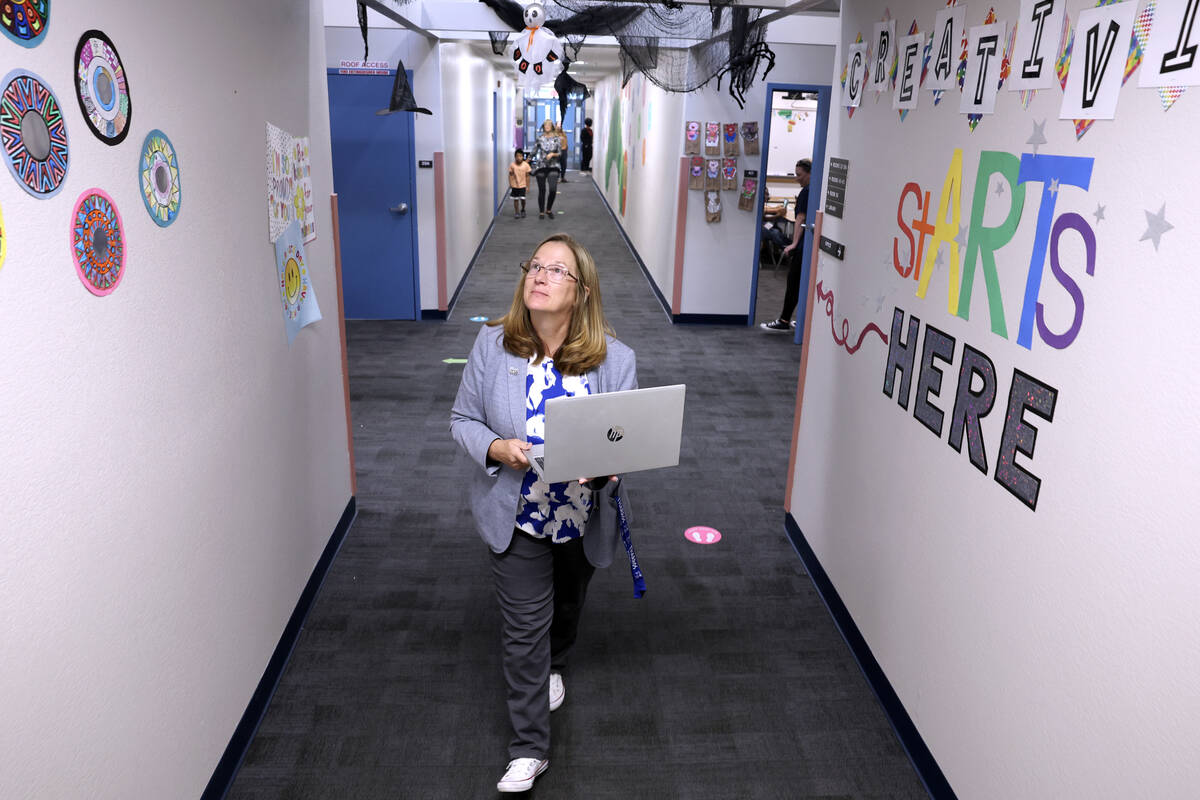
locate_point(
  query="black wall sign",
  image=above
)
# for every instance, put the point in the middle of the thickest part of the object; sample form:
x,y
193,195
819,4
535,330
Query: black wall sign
x,y
835,187
834,249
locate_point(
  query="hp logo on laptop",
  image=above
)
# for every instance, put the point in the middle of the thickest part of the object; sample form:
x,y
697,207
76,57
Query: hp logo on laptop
x,y
616,433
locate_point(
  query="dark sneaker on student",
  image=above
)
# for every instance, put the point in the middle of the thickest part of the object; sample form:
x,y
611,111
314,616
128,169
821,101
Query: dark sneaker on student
x,y
521,773
778,326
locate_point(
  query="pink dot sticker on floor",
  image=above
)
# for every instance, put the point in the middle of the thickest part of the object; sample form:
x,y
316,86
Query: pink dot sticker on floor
x,y
701,534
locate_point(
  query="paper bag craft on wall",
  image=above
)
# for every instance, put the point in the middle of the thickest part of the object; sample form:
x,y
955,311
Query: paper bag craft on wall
x,y
731,139
750,138
749,190
696,176
712,138
712,174
691,138
712,206
729,174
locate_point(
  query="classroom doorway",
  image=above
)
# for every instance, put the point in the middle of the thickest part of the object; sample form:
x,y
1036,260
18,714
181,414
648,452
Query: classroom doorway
x,y
795,124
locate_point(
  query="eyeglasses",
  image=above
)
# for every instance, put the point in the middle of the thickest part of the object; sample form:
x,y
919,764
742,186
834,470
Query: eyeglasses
x,y
555,273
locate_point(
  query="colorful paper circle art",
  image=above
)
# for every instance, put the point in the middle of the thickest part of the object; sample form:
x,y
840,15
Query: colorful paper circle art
x,y
98,242
25,21
33,134
294,284
102,87
158,174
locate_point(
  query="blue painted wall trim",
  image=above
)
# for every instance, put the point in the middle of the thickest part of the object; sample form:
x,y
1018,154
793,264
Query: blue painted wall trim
x,y
636,256
910,738
222,777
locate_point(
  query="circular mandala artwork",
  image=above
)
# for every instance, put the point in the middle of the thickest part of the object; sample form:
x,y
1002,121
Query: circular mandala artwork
x,y
158,174
97,242
293,286
25,21
33,134
102,87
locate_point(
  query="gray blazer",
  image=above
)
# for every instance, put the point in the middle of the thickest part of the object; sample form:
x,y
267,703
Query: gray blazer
x,y
491,405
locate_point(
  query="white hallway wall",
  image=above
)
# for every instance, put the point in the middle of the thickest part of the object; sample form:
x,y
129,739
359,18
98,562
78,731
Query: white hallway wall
x,y
172,469
719,258
1048,653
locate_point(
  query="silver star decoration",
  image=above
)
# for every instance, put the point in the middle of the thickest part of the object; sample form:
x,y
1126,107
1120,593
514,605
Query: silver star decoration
x,y
1053,188
1038,136
1156,226
879,301
1098,213
938,262
999,188
961,239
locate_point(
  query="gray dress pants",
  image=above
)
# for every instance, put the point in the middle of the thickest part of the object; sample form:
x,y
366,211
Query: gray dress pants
x,y
541,587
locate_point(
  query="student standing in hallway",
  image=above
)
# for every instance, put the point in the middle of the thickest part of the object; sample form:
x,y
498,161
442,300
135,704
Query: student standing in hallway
x,y
794,252
518,181
545,539
585,146
545,167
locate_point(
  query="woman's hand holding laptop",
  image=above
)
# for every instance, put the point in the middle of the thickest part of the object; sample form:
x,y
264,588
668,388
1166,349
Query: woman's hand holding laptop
x,y
509,452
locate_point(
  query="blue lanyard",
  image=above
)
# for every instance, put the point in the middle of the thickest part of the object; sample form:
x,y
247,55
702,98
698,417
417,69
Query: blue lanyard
x,y
639,583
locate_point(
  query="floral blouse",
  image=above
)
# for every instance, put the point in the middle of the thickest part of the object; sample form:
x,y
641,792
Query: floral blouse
x,y
557,511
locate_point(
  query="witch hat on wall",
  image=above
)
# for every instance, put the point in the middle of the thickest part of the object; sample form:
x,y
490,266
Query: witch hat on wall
x,y
402,95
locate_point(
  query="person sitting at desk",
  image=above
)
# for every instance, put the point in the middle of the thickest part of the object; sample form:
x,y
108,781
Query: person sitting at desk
x,y
774,214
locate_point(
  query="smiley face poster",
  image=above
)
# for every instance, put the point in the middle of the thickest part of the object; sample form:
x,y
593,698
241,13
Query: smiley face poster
x,y
295,284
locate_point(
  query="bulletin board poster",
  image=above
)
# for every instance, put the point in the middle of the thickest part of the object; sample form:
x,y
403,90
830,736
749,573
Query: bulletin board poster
x,y
281,181
998,429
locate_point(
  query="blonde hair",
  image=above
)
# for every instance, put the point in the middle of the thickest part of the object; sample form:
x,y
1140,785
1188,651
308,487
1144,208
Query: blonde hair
x,y
585,346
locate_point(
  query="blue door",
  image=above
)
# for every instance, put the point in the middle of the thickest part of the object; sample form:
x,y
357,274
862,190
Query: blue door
x,y
373,175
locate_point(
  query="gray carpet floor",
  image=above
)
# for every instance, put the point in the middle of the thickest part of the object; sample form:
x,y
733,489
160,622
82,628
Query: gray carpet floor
x,y
727,680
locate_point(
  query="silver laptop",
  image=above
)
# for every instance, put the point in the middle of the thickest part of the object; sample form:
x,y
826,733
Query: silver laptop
x,y
593,435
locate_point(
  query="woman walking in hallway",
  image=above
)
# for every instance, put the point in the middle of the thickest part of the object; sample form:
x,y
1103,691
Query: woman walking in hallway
x,y
545,160
545,539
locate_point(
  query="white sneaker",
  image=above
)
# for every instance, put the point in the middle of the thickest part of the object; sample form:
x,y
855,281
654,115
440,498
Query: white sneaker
x,y
558,692
520,774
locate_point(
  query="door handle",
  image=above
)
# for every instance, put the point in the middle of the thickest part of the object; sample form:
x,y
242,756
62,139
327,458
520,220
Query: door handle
x,y
401,209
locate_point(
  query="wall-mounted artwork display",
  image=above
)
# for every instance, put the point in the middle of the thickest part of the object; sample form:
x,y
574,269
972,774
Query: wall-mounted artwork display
x,y
728,174
712,174
696,174
750,138
731,138
281,187
302,180
33,134
749,190
691,138
712,138
102,88
712,206
98,242
158,176
295,288
25,21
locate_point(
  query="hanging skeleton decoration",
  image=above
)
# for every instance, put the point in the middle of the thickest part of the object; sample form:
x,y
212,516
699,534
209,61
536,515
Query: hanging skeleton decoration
x,y
538,52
